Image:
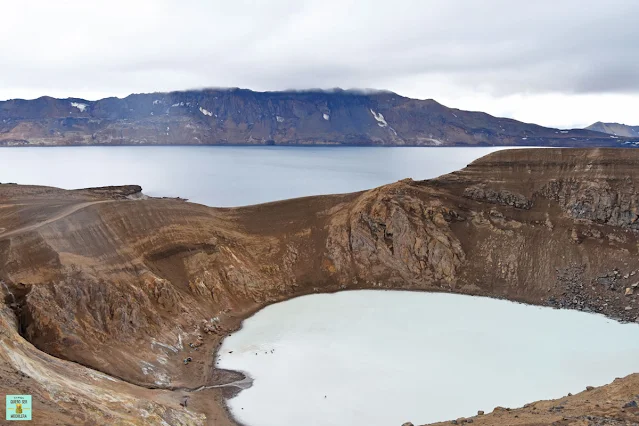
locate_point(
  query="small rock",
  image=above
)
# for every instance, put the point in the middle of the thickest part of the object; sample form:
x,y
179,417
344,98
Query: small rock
x,y
628,308
631,404
199,342
589,388
185,401
628,292
480,413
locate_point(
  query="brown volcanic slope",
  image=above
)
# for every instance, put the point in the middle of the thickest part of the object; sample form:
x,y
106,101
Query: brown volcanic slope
x,y
235,116
123,288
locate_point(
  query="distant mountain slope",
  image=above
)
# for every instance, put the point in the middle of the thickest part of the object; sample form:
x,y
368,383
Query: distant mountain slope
x,y
237,116
615,129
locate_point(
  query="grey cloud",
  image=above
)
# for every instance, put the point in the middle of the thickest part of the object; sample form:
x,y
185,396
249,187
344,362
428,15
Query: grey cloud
x,y
503,47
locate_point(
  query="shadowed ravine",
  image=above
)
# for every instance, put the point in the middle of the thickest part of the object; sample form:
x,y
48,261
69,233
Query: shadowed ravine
x,y
134,288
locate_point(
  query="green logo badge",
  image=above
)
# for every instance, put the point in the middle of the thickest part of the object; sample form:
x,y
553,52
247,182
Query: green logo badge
x,y
18,407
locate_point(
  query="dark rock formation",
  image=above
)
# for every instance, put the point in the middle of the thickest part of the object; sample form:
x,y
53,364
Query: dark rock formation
x,y
504,197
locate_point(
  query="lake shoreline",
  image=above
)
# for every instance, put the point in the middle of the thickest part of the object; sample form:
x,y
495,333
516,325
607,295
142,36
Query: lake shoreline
x,y
248,315
228,176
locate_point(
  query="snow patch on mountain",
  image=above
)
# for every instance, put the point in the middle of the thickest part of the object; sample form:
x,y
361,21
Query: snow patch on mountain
x,y
205,112
79,106
381,122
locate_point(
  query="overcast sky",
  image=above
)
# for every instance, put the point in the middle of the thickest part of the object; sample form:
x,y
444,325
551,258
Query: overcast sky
x,y
558,63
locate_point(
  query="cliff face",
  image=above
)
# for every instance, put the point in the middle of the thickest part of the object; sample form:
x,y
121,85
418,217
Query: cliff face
x,y
145,289
285,118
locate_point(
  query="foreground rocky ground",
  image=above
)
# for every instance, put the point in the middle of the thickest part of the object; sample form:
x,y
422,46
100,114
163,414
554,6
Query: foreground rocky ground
x,y
112,305
611,405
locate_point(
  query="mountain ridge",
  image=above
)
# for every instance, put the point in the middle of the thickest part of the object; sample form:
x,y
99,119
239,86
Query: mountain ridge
x,y
244,117
616,129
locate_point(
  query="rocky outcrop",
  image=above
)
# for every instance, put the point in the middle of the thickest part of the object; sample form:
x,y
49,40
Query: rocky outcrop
x,y
234,116
117,192
395,236
597,201
102,292
504,197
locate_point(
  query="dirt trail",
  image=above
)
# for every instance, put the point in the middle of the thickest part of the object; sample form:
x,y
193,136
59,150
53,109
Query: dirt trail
x,y
64,213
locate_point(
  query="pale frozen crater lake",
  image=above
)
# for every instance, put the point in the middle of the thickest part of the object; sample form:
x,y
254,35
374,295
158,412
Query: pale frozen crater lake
x,y
381,358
